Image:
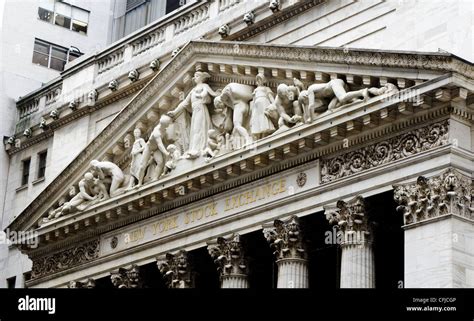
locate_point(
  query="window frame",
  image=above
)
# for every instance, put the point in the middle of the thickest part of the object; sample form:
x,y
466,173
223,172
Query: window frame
x,y
52,46
24,172
40,168
70,17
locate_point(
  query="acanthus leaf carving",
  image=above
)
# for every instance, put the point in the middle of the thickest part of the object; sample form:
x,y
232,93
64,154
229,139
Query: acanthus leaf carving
x,y
448,193
351,218
50,264
286,239
126,278
228,255
176,270
399,147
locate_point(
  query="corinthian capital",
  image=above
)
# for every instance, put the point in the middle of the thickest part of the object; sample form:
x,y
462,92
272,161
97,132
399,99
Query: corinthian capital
x,y
176,270
228,254
126,278
350,217
89,284
286,239
447,193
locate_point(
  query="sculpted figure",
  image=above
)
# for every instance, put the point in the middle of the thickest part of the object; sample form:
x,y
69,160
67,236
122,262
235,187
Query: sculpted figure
x,y
196,103
287,106
260,123
155,147
106,169
88,193
137,156
174,156
214,144
388,88
336,91
236,97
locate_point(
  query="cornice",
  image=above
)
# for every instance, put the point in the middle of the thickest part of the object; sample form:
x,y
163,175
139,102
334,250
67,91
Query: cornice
x,y
81,112
370,58
273,20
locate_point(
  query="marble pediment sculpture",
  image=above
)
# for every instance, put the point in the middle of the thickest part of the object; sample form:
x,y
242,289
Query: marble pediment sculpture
x,y
196,111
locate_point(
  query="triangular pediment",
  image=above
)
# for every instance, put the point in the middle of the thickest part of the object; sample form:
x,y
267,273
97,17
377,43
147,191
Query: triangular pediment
x,y
236,63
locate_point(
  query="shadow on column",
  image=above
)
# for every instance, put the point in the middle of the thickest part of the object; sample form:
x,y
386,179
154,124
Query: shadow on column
x,y
262,269
389,241
323,256
206,276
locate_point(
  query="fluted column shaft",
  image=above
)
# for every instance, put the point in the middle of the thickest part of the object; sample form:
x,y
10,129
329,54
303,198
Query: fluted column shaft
x,y
235,281
357,265
292,273
357,259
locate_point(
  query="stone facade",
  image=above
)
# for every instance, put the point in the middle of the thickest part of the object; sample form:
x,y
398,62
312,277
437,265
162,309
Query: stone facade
x,y
223,138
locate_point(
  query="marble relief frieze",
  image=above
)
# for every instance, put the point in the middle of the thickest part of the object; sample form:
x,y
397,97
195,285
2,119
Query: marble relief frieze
x,y
384,152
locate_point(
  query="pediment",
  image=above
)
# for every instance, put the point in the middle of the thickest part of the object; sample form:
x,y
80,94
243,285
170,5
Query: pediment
x,y
239,64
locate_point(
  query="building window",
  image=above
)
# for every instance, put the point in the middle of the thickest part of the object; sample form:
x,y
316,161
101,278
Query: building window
x,y
132,4
52,56
65,15
42,164
172,5
25,174
11,282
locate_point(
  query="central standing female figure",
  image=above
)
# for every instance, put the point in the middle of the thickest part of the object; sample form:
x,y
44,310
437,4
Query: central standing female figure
x,y
260,124
196,104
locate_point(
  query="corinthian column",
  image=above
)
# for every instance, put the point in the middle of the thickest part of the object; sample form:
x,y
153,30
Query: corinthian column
x,y
357,259
228,254
176,270
438,214
126,278
285,238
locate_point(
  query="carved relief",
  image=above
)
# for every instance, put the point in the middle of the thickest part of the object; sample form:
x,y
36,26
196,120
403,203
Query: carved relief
x,y
54,114
207,124
133,75
92,97
383,152
249,18
234,103
137,157
60,261
113,85
155,64
126,278
351,218
228,255
155,150
261,124
73,105
196,104
315,55
43,124
448,193
285,239
176,270
89,284
89,192
274,5
224,30
27,133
